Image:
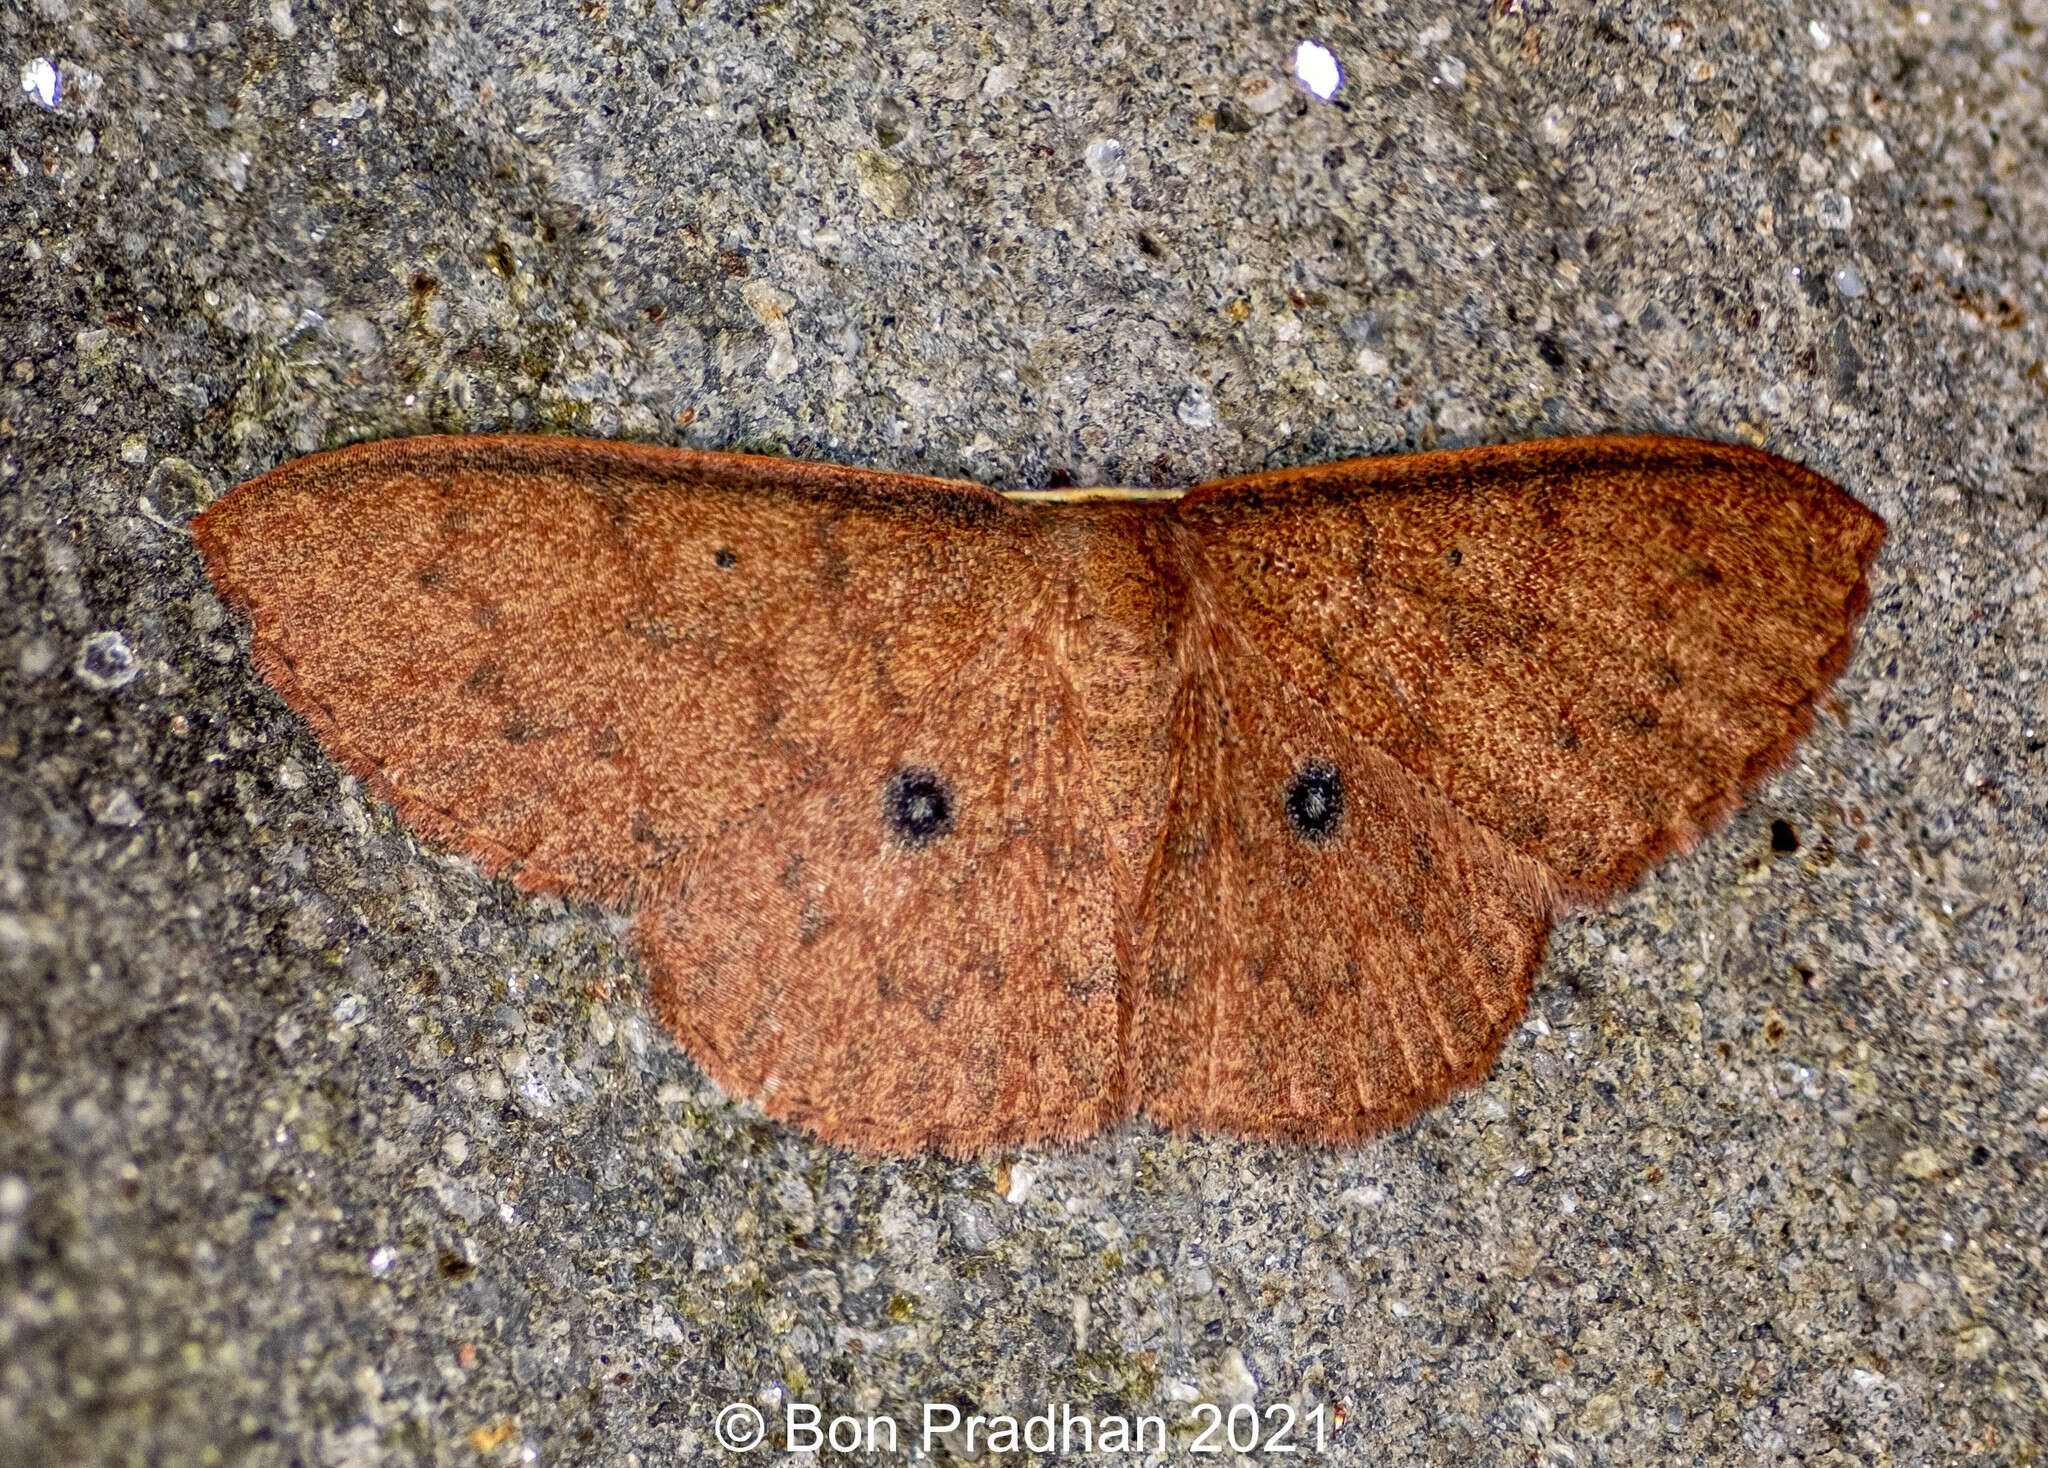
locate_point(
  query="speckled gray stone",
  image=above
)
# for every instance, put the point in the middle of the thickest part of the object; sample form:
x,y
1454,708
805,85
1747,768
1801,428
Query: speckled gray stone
x,y
315,1148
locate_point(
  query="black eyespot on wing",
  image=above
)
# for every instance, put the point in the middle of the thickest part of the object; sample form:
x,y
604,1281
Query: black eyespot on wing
x,y
1314,801
1783,836
917,807
725,558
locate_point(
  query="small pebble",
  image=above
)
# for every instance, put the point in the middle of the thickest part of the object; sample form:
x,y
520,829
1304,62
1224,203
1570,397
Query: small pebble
x,y
117,808
1197,409
37,658
1263,95
1106,159
40,80
1315,66
106,662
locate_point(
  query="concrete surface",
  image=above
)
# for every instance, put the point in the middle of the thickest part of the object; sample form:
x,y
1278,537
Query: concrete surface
x,y
315,1148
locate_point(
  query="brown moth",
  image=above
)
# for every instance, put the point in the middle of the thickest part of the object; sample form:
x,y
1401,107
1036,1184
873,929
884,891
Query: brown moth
x,y
951,819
